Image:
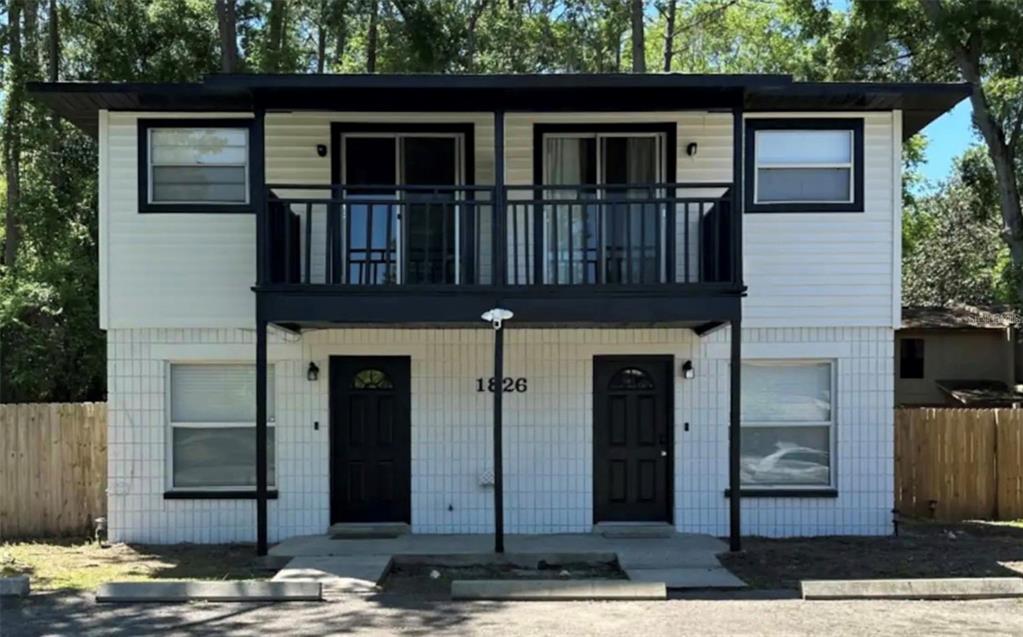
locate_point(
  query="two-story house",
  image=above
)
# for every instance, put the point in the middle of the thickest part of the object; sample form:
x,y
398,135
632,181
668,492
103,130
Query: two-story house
x,y
703,273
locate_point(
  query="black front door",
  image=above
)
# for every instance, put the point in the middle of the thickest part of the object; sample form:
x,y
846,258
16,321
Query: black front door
x,y
632,404
370,439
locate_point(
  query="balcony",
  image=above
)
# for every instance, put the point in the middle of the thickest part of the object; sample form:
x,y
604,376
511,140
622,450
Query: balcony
x,y
632,254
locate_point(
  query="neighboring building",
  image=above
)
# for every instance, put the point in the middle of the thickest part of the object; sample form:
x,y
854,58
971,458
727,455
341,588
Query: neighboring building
x,y
333,239
958,355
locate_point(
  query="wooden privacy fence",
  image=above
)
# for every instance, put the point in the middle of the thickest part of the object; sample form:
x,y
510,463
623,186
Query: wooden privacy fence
x,y
53,468
959,464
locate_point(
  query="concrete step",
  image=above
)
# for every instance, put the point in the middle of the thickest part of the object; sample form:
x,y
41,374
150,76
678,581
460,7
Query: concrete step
x,y
367,530
698,578
634,530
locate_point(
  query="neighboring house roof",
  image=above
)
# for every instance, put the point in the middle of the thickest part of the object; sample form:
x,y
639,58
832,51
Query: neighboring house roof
x,y
80,102
980,393
956,316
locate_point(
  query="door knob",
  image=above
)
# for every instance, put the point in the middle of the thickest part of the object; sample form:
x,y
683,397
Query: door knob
x,y
664,454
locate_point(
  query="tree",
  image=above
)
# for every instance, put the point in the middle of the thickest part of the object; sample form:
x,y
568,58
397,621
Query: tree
x,y
945,40
638,36
227,24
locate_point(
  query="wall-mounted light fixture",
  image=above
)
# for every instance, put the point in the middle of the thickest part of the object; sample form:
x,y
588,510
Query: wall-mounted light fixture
x,y
313,373
687,370
692,148
321,150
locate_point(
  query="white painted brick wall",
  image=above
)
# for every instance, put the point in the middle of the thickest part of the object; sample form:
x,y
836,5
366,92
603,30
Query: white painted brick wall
x,y
548,462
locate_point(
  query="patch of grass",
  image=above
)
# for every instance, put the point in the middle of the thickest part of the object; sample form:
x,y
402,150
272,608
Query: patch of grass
x,y
82,565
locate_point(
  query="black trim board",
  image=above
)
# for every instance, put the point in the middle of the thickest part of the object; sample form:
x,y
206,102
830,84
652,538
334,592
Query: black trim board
x,y
145,206
201,494
785,493
855,124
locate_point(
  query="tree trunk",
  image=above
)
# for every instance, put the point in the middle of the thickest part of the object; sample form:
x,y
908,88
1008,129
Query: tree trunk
x,y
638,38
470,45
53,59
275,48
371,37
669,35
12,133
30,36
967,57
321,46
227,24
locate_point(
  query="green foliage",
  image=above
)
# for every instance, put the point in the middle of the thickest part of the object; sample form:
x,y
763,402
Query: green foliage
x,y
953,250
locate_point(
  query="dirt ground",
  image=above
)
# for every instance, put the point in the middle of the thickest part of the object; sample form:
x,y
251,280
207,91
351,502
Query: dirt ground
x,y
417,579
920,550
83,565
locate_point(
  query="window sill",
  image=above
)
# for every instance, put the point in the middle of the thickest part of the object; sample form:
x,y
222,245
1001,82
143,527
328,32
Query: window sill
x,y
785,493
201,494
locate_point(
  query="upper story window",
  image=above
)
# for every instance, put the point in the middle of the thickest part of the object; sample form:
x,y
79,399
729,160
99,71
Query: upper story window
x,y
194,165
804,165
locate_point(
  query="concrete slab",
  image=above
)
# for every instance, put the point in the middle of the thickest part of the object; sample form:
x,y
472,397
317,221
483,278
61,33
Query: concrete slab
x,y
693,556
367,531
353,574
687,578
220,591
14,586
937,589
613,530
546,590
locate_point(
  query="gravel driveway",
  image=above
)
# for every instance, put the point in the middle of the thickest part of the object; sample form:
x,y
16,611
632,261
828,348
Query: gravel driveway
x,y
76,614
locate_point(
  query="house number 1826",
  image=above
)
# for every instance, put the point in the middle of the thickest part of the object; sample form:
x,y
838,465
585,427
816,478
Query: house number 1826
x,y
519,385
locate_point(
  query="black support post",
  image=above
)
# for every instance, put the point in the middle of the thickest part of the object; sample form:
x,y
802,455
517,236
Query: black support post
x,y
735,384
261,460
498,436
500,237
735,440
257,197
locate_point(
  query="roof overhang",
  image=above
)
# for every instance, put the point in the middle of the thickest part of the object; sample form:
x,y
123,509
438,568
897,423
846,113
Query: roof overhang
x,y
80,103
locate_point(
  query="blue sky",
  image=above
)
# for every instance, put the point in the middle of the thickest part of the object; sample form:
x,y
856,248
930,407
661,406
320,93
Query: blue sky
x,y
947,137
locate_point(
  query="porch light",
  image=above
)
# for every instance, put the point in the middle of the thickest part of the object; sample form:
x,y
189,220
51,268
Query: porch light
x,y
313,373
497,316
687,370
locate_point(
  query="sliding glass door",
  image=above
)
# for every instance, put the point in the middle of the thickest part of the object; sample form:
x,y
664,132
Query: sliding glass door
x,y
401,235
600,230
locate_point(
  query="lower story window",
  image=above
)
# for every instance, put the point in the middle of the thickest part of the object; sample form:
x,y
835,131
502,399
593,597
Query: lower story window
x,y
213,426
787,423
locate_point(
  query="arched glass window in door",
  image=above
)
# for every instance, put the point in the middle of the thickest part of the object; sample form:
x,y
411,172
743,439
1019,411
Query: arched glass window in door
x,y
371,379
631,379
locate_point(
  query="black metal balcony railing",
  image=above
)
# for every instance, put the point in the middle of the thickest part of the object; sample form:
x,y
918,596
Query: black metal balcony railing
x,y
628,235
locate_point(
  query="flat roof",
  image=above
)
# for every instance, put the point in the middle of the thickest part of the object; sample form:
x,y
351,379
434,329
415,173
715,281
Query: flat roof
x,y
80,102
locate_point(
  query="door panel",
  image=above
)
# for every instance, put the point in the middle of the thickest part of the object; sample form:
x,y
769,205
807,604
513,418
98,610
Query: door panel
x,y
370,439
632,438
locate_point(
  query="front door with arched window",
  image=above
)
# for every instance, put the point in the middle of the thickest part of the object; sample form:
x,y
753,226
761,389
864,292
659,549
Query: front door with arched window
x,y
370,439
632,442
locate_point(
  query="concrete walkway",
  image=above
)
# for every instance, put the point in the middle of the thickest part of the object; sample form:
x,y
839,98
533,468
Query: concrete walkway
x,y
358,565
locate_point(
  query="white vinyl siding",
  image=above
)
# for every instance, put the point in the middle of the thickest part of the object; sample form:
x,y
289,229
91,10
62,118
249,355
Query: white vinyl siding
x,y
198,165
788,421
212,414
801,270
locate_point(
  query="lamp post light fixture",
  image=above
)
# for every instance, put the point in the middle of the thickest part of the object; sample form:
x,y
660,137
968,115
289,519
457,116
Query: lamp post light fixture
x,y
496,317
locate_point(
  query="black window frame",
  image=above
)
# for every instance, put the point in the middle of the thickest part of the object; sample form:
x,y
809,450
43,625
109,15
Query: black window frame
x,y
904,342
146,206
853,124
